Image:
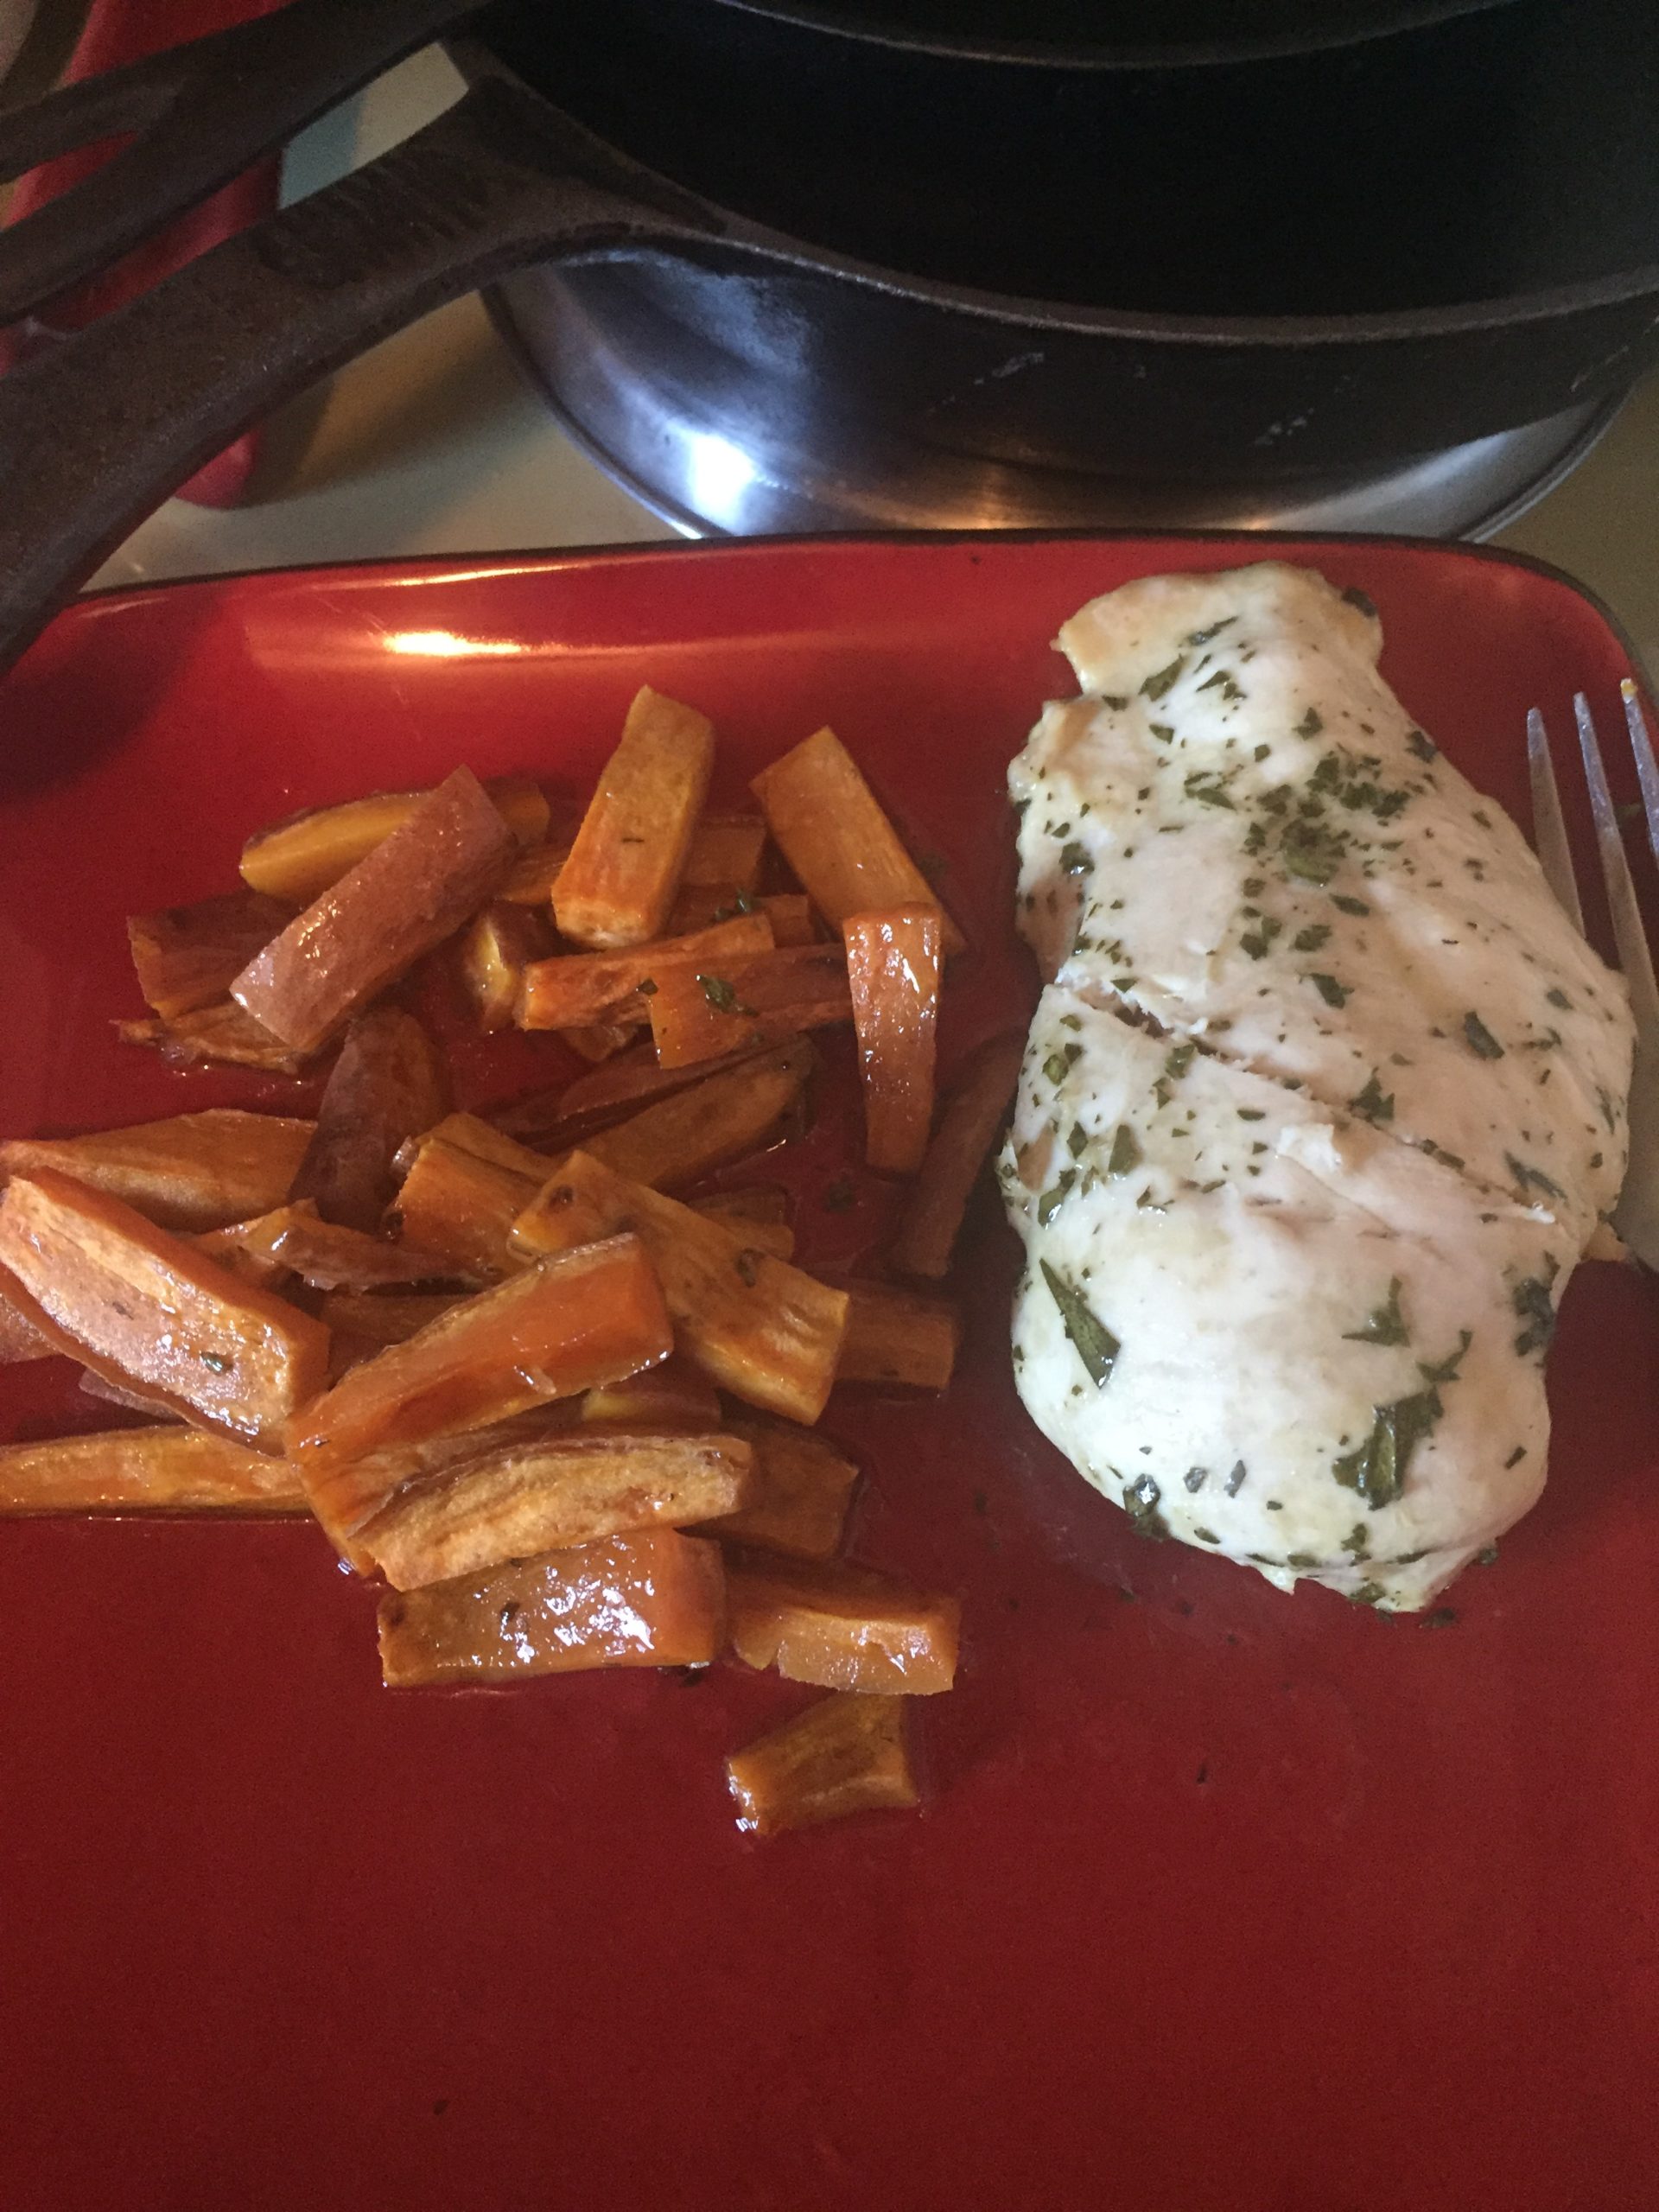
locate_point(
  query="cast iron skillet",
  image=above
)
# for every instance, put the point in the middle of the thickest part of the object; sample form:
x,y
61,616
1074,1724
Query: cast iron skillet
x,y
94,433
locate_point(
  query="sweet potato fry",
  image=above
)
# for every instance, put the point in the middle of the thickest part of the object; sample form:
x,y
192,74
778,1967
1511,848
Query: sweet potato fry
x,y
840,1627
800,1488
380,1318
223,1032
329,1256
147,1309
683,1138
461,1206
497,947
654,1598
298,859
898,1335
625,867
193,1171
406,896
530,880
725,849
598,1040
579,987
550,1332
566,1113
19,1340
698,1012
187,956
512,1502
388,1086
171,1469
673,1395
829,826
759,1328
968,1125
892,969
701,905
843,1755
471,1133
759,1214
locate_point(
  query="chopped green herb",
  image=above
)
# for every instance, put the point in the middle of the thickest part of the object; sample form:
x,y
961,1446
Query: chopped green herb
x,y
1349,905
1560,999
1126,1155
1332,992
1383,1324
1056,1066
1162,731
1077,1141
1202,637
217,1362
1373,1103
1311,939
1141,1501
1092,1341
1195,1478
1532,1306
1357,1540
1480,1039
1378,1468
1532,1179
1445,1370
1074,861
745,1264
1311,724
720,995
1070,1021
1180,1059
1051,1200
1158,684
1310,851
1422,745
1235,1482
1206,1535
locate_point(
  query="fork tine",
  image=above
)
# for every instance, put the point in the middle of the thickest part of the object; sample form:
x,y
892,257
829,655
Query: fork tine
x,y
1647,769
1628,931
1548,830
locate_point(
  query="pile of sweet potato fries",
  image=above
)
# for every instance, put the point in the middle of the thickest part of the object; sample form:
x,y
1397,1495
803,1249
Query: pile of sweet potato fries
x,y
561,1405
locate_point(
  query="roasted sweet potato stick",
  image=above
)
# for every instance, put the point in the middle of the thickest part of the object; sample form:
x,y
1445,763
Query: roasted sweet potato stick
x,y
800,1488
407,895
187,956
172,1468
524,1498
654,1598
530,880
892,969
19,1340
840,1627
471,1133
554,1330
625,867
224,1032
194,1171
725,849
827,823
147,1309
566,1113
759,1328
700,906
329,1256
598,1040
673,1395
968,1127
498,946
388,1086
898,1335
683,1138
763,1225
574,989
700,1011
379,1318
453,1203
843,1755
298,859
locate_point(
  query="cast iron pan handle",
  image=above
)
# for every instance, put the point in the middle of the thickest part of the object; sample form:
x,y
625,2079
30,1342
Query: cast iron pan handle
x,y
199,114
96,431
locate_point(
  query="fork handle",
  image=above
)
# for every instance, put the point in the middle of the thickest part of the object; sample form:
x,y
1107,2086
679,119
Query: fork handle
x,y
197,115
95,432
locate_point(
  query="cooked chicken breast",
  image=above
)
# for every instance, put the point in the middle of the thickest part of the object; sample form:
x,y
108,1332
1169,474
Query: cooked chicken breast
x,y
1324,1097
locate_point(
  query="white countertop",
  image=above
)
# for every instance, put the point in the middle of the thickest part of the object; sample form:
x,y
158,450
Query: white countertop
x,y
434,444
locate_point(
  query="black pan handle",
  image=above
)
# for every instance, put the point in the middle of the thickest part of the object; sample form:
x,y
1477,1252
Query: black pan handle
x,y
96,431
197,115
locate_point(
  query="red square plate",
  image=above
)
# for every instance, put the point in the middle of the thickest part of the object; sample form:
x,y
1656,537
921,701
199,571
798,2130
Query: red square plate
x,y
1222,1897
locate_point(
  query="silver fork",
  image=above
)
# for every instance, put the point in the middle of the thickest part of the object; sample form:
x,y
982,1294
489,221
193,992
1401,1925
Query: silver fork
x,y
1636,1215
